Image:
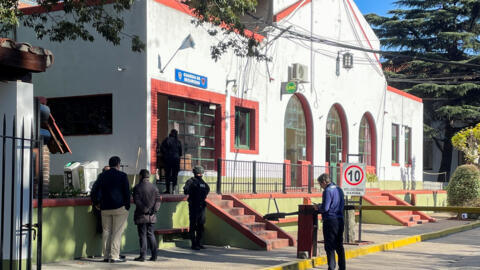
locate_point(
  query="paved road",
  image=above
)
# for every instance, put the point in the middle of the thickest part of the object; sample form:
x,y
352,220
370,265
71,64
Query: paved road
x,y
456,251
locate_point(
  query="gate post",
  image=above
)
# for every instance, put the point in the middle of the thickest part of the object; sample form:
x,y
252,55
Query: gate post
x,y
254,177
219,176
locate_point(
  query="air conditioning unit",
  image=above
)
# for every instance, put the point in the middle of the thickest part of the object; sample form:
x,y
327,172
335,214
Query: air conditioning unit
x,y
299,73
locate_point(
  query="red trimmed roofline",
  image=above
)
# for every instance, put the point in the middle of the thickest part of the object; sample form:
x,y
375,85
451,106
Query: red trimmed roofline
x,y
57,7
169,3
363,30
288,10
404,94
187,10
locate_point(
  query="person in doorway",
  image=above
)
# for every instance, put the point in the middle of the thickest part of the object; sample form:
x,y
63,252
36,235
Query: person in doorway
x,y
197,191
147,201
333,202
114,197
171,150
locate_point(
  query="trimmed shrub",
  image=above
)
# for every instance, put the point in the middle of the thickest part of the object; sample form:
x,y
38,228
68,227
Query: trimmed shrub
x,y
464,186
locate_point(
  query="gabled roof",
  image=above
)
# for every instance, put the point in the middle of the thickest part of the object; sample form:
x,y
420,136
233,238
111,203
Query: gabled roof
x,y
287,11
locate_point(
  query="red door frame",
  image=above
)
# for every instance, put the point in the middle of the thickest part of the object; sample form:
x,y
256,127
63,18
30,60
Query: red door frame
x,y
191,93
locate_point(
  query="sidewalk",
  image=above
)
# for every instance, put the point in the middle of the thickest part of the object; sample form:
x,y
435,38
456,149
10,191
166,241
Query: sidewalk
x,y
234,258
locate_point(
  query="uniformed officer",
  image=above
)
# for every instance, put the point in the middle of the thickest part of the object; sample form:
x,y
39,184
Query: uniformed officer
x,y
197,191
331,209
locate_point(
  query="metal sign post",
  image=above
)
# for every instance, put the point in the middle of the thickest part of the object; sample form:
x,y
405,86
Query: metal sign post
x,y
354,180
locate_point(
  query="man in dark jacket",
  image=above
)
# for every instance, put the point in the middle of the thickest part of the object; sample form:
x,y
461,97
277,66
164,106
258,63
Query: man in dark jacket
x,y
332,218
197,191
171,150
113,193
96,202
147,202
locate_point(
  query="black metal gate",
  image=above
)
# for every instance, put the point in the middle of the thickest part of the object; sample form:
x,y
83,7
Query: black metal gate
x,y
20,163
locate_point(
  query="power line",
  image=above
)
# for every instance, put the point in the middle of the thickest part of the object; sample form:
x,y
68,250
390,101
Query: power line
x,y
329,42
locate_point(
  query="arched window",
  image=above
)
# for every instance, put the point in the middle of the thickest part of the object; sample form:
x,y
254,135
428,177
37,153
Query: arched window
x,y
334,140
367,140
295,131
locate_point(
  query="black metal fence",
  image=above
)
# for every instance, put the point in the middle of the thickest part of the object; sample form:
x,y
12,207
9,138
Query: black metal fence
x,y
17,146
235,176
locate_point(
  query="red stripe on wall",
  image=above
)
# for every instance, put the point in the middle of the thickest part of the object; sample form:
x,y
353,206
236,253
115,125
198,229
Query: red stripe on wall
x,y
57,7
405,94
254,125
186,9
195,94
287,11
363,31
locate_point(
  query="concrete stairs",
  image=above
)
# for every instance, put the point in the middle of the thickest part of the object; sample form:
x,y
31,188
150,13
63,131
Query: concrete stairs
x,y
405,218
251,224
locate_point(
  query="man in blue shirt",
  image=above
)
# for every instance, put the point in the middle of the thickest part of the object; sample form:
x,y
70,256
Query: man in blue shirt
x,y
332,217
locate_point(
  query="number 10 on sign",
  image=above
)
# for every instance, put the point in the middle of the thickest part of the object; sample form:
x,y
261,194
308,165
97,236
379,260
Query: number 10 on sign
x,y
354,178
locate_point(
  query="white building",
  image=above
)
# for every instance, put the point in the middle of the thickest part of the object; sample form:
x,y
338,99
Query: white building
x,y
133,105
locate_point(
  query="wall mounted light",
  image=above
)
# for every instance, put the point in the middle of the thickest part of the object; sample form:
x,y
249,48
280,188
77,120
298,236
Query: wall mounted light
x,y
234,86
120,68
347,60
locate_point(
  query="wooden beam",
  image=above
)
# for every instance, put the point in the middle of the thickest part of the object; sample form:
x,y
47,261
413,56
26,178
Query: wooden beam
x,y
22,60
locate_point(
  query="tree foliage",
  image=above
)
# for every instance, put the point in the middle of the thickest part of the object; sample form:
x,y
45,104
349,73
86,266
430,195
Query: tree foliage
x,y
447,30
468,141
105,17
75,22
229,17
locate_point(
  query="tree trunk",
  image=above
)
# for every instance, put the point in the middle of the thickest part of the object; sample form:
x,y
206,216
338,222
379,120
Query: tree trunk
x,y
446,164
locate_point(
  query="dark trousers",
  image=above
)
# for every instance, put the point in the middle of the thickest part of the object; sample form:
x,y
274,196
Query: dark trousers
x,y
146,237
333,237
98,220
197,220
171,174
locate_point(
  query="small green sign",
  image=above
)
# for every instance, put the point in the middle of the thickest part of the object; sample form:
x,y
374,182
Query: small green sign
x,y
291,87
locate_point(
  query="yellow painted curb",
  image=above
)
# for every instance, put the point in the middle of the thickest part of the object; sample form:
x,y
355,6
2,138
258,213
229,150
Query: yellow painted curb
x,y
350,254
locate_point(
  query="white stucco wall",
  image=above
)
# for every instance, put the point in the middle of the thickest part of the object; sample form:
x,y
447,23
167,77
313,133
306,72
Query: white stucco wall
x,y
90,68
359,90
404,112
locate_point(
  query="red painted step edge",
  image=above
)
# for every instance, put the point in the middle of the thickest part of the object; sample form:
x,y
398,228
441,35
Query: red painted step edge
x,y
401,202
395,215
259,218
219,212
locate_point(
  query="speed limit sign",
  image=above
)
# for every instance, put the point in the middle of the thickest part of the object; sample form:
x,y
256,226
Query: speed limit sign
x,y
354,178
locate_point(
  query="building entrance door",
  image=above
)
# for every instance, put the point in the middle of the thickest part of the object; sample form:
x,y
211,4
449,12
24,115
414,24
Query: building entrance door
x,y
195,123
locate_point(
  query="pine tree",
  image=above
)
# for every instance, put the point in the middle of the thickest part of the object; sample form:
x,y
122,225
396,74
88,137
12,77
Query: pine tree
x,y
447,30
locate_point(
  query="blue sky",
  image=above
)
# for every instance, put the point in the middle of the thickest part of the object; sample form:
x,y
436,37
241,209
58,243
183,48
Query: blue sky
x,y
375,6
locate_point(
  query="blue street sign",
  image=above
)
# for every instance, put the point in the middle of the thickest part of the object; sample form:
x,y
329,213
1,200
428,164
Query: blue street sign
x,y
190,78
